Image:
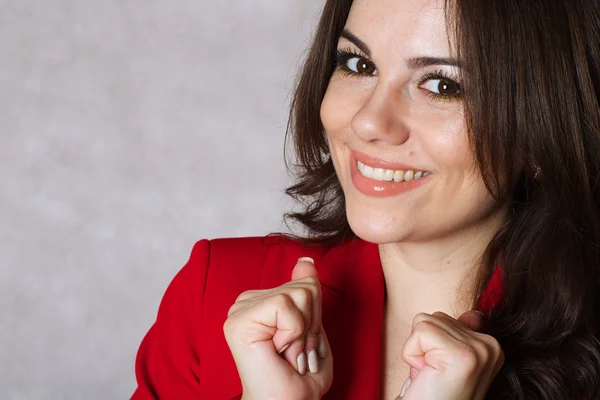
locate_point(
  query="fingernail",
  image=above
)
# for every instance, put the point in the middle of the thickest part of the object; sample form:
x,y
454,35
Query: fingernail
x,y
405,387
301,363
321,348
307,259
284,348
313,361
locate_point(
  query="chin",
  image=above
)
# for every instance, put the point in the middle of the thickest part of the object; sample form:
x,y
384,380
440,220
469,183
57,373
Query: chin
x,y
375,226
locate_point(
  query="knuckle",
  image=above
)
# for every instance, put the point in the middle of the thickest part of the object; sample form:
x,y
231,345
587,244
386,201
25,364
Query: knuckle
x,y
282,301
425,326
229,327
246,295
439,314
492,345
468,358
496,350
303,297
232,310
420,317
312,280
315,286
501,358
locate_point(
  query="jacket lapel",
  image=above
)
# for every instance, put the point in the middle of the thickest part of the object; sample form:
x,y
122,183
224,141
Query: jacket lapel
x,y
353,296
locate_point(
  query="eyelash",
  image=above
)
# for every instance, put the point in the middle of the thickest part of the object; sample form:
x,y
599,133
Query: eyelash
x,y
344,55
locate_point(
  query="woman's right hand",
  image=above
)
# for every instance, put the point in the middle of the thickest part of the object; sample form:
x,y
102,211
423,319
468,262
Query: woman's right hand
x,y
277,339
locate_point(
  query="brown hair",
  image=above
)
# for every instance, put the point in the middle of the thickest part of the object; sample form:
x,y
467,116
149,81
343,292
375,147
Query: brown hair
x,y
531,84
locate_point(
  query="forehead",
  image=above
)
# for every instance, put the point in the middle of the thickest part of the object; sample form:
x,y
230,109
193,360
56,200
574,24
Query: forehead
x,y
409,27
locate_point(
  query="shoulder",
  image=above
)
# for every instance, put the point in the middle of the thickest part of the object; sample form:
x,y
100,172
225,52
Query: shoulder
x,y
238,264
185,355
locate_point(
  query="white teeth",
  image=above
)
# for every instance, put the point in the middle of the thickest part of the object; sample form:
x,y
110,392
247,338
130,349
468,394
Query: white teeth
x,y
377,174
367,171
388,175
398,175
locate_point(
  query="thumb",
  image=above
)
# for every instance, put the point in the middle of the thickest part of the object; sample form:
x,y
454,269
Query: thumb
x,y
472,319
305,267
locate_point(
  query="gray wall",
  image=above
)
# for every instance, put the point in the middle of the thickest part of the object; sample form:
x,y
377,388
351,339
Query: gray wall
x,y
129,129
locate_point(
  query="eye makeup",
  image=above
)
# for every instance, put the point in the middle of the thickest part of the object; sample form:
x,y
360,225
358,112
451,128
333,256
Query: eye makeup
x,y
448,81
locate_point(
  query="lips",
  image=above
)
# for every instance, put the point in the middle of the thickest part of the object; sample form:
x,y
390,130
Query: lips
x,y
375,162
376,183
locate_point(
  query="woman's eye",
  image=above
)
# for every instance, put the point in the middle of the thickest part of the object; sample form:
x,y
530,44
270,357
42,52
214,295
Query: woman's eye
x,y
360,65
442,87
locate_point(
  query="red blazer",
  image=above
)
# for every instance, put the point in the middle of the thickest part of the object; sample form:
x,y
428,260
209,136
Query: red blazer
x,y
184,355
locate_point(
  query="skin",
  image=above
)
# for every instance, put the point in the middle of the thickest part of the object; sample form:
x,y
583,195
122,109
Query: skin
x,y
430,238
429,245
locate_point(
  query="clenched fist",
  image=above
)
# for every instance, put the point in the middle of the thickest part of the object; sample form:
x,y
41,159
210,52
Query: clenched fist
x,y
277,339
449,359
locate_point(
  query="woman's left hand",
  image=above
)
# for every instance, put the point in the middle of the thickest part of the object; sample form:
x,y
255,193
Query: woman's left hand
x,y
449,359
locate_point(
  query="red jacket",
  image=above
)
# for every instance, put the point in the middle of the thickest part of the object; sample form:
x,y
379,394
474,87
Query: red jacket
x,y
184,355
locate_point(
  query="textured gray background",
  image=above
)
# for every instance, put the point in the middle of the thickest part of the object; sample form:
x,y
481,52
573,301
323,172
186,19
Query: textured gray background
x,y
129,129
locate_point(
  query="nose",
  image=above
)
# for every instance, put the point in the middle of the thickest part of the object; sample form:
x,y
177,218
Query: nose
x,y
381,119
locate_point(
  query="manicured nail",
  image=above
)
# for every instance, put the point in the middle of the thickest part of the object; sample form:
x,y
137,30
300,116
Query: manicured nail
x,y
284,348
405,387
321,348
307,259
313,361
301,361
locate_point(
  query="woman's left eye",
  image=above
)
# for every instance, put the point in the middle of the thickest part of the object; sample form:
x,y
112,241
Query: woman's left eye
x,y
441,87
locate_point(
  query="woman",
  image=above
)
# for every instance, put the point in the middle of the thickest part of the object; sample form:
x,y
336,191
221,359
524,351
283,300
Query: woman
x,y
449,163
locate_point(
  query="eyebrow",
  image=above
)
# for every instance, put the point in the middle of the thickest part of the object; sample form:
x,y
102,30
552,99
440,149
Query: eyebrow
x,y
346,34
412,63
420,62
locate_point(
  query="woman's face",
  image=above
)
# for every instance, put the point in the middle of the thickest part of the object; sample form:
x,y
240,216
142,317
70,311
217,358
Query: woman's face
x,y
394,120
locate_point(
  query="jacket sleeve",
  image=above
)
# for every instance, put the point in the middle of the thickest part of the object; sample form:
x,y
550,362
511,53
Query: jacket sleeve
x,y
167,363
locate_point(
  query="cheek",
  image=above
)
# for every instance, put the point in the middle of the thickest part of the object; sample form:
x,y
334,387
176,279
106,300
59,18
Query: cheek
x,y
332,116
449,144
340,104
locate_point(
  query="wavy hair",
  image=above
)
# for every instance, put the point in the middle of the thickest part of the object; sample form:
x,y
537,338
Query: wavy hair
x,y
531,84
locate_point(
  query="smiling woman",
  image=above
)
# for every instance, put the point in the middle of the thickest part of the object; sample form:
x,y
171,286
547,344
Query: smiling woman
x,y
447,164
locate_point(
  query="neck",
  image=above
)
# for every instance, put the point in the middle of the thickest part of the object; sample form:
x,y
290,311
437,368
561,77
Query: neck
x,y
437,275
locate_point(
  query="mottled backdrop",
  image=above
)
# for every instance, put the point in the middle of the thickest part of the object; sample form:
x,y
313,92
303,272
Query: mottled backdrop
x,y
129,129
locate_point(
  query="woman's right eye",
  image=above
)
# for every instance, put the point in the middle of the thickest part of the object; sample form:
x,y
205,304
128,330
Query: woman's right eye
x,y
354,64
360,65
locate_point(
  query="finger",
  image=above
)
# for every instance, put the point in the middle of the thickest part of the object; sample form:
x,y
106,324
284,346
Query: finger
x,y
443,321
302,297
413,373
306,272
274,321
472,319
459,330
423,345
325,375
304,353
285,316
321,381
305,267
295,356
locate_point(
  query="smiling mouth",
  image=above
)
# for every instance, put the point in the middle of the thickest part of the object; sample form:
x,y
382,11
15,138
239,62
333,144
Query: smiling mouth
x,y
389,175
